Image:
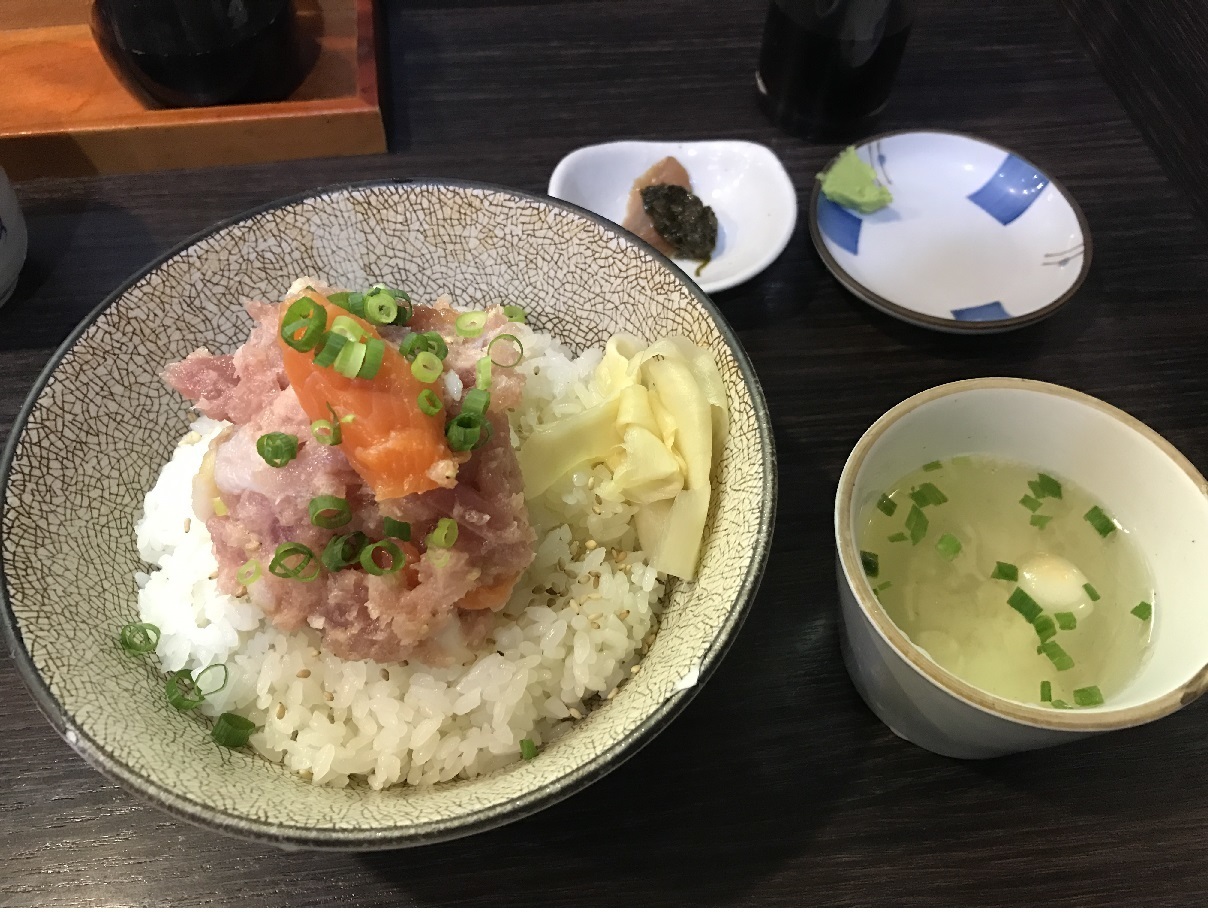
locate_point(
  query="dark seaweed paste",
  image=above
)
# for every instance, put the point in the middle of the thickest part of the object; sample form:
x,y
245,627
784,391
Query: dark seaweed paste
x,y
682,220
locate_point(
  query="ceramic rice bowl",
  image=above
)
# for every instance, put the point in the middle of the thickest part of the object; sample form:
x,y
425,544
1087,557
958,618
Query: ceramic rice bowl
x,y
99,425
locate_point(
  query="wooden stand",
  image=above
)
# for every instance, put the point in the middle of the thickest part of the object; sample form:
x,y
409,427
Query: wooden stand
x,y
63,112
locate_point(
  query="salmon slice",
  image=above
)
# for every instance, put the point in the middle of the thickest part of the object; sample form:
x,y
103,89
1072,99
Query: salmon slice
x,y
491,597
395,448
664,171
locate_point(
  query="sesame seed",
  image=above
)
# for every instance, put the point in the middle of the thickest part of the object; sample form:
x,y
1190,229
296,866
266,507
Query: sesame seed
x,y
595,626
575,714
314,653
241,592
612,693
635,669
214,575
328,696
303,673
280,710
188,522
385,674
621,555
590,544
624,614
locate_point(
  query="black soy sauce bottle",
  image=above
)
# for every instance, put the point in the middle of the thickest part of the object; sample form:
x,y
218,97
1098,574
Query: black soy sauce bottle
x,y
190,53
826,67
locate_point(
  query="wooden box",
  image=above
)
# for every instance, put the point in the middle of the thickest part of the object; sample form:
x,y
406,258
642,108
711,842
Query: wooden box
x,y
63,112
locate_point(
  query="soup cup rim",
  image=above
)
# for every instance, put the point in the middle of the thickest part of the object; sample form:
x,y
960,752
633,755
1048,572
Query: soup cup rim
x,y
917,659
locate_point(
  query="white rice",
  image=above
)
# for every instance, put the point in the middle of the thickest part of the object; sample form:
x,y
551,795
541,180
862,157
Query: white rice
x,y
571,633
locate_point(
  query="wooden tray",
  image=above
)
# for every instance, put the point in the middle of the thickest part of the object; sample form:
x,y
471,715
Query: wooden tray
x,y
64,113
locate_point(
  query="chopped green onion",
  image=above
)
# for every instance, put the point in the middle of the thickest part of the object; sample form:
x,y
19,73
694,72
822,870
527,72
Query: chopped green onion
x,y
396,528
333,344
248,573
1061,704
303,324
1030,502
928,495
1088,696
347,327
1045,628
412,346
327,433
277,449
871,563
329,512
933,466
482,373
1066,620
426,367
470,325
232,730
1144,611
1091,591
185,692
1039,520
506,343
881,587
528,750
339,298
1025,605
1049,486
897,537
182,691
285,566
139,639
1102,523
467,432
476,402
375,351
1004,571
369,554
444,535
348,362
886,505
428,403
1059,657
380,308
948,545
343,551
916,525
1037,489
437,345
514,312
1046,691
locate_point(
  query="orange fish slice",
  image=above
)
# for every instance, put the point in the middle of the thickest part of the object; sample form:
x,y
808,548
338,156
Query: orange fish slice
x,y
389,442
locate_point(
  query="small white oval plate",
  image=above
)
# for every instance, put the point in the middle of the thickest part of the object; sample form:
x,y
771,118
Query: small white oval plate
x,y
976,239
744,183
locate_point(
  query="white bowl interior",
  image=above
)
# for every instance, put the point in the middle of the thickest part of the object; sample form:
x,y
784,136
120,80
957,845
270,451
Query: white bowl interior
x,y
744,182
1145,484
935,252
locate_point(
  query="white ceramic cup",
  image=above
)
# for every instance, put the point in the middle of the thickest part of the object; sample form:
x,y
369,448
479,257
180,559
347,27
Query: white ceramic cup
x,y
14,241
1140,479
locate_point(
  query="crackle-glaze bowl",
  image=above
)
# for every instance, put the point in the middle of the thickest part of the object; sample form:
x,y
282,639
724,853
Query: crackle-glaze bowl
x,y
99,424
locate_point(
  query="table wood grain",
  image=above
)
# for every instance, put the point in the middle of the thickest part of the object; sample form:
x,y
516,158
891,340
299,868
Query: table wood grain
x,y
776,785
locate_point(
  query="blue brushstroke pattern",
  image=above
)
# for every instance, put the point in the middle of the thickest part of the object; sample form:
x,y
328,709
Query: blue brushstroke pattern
x,y
840,225
982,312
1013,188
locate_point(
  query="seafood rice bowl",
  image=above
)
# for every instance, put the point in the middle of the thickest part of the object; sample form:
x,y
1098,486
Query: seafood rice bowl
x,y
384,515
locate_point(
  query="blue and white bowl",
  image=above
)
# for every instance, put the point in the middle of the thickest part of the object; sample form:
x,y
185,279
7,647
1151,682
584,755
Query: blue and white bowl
x,y
977,239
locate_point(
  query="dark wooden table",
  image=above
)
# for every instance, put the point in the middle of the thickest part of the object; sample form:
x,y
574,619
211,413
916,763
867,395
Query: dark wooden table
x,y
776,785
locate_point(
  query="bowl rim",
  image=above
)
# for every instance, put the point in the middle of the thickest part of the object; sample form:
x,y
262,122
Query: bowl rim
x,y
392,837
928,321
918,660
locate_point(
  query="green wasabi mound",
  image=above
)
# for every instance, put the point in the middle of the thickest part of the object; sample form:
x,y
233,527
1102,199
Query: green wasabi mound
x,y
852,183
